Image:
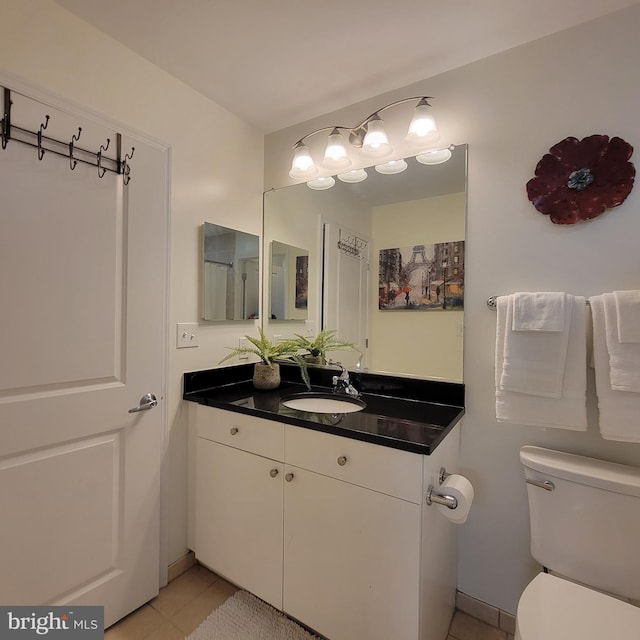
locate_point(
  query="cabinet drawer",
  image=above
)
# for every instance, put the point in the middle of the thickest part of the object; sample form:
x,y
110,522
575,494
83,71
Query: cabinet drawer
x,y
391,471
262,437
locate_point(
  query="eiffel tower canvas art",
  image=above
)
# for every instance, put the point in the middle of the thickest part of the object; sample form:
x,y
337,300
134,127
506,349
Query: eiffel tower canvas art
x,y
422,277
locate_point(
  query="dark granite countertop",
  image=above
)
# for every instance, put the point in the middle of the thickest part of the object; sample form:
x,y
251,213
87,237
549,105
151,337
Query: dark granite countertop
x,y
403,413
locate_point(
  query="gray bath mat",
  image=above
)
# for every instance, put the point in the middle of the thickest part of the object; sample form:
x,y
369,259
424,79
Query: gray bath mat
x,y
245,617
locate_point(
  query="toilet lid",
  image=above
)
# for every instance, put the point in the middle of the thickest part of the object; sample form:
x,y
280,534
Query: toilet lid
x,y
551,608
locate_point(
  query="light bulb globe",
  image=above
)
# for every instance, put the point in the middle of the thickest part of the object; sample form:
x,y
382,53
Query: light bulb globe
x,y
321,183
353,176
335,154
391,167
375,140
302,165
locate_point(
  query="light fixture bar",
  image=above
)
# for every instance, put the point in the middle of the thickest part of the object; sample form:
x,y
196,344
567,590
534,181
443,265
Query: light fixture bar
x,y
369,135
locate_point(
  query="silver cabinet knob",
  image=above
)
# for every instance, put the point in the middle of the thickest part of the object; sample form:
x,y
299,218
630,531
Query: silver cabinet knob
x,y
289,477
273,473
233,431
342,460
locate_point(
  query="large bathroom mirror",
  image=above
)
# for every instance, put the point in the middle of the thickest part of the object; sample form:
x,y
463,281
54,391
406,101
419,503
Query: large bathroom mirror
x,y
385,265
230,274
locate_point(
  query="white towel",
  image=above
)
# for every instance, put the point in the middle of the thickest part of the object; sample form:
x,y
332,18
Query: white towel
x,y
628,310
619,410
542,311
534,361
566,412
624,357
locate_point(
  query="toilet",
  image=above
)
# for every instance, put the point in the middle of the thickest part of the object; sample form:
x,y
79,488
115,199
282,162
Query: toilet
x,y
585,530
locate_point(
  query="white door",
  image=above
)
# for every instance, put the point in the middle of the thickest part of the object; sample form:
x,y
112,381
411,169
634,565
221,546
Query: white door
x,y
346,290
82,293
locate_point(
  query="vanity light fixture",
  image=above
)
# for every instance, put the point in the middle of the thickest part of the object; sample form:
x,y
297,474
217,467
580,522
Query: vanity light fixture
x,y
369,135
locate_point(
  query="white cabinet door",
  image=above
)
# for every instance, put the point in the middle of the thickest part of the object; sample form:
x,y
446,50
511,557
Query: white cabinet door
x,y
239,513
352,565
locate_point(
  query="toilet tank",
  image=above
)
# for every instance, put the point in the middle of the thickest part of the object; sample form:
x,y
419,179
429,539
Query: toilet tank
x,y
587,527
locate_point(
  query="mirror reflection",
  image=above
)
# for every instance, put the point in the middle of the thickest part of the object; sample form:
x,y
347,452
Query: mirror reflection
x,y
289,284
386,264
230,274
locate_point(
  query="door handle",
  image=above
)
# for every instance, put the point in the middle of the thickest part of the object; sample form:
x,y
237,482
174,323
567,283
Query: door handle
x,y
148,401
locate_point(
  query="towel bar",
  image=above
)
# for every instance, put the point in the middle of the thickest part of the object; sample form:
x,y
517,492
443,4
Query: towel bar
x,y
492,303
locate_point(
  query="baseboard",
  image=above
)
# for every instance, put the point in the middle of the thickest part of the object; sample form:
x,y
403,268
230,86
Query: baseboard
x,y
181,565
486,612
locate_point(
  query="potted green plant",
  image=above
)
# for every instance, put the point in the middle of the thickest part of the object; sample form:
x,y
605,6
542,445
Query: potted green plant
x,y
317,348
266,373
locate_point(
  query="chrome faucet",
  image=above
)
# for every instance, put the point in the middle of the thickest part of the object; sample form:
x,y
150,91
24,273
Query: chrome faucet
x,y
342,383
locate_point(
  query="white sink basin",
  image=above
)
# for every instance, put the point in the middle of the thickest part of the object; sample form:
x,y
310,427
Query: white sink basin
x,y
316,402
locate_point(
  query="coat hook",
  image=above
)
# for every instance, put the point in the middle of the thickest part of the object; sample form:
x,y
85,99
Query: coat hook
x,y
101,169
4,133
6,119
126,170
43,126
74,138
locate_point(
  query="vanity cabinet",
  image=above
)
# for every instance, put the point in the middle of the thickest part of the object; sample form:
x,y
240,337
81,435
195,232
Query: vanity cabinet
x,y
238,500
331,530
351,564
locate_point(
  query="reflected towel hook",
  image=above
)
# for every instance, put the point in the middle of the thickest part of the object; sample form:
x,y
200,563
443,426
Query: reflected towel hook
x,y
43,126
126,170
74,138
101,169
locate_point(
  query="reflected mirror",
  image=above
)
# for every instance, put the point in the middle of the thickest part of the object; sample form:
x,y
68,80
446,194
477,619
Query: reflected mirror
x,y
385,264
289,283
230,274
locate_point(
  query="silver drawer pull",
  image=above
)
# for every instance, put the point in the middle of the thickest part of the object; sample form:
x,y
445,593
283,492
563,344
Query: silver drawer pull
x,y
547,485
273,473
289,477
233,431
342,460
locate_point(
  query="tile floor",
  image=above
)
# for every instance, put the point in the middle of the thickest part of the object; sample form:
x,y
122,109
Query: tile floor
x,y
186,601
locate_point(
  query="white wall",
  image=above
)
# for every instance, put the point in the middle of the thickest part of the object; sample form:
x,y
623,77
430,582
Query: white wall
x,y
510,109
216,175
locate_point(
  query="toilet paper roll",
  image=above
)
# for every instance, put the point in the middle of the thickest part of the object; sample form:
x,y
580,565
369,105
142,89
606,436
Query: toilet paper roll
x,y
462,490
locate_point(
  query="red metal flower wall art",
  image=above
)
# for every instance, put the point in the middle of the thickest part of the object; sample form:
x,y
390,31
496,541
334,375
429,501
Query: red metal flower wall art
x,y
580,179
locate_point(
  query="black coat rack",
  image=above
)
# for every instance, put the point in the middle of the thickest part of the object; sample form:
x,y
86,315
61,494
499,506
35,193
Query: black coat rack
x,y
45,144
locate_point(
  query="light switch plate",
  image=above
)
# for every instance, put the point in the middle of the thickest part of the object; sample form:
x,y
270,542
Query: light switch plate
x,y
187,335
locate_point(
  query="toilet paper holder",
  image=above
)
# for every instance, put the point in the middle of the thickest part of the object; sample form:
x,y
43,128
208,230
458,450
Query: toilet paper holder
x,y
440,498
